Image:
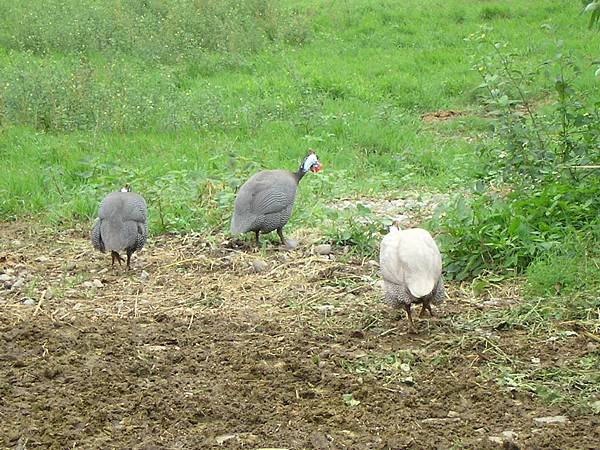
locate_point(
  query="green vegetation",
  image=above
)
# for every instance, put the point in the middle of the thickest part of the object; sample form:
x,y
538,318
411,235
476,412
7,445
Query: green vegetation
x,y
185,99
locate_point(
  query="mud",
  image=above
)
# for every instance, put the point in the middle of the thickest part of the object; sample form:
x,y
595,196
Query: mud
x,y
200,352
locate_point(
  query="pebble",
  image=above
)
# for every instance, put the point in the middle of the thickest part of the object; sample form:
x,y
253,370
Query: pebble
x,y
323,249
42,259
495,440
18,284
259,266
349,297
453,414
291,244
28,301
97,283
144,275
509,436
70,267
5,277
327,310
540,421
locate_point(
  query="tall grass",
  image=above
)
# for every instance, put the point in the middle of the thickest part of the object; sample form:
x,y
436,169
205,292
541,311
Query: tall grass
x,y
180,96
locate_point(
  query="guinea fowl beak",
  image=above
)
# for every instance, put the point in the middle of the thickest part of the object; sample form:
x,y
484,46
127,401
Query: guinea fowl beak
x,y
316,168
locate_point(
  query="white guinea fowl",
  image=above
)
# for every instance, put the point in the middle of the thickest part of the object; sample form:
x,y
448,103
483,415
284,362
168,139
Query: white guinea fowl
x,y
411,266
122,224
264,203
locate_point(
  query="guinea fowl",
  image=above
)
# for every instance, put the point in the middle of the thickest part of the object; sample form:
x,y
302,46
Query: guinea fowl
x,y
411,266
122,224
264,203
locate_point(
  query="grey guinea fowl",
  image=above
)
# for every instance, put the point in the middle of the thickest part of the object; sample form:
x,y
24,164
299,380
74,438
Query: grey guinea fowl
x,y
264,203
122,224
411,266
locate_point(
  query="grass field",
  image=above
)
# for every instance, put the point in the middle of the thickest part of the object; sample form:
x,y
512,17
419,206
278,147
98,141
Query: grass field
x,y
185,101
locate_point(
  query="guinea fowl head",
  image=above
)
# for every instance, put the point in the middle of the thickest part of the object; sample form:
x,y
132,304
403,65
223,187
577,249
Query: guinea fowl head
x,y
126,188
310,162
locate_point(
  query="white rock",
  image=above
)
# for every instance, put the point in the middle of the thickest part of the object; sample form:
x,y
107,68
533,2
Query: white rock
x,y
42,259
327,310
540,421
323,249
18,284
97,283
5,277
28,301
88,284
291,244
144,275
259,266
509,436
453,414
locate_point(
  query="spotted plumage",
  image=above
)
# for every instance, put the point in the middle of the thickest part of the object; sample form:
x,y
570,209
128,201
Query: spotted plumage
x,y
122,225
411,266
264,203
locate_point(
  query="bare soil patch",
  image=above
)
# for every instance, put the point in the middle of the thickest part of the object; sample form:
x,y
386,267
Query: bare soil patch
x,y
441,115
193,349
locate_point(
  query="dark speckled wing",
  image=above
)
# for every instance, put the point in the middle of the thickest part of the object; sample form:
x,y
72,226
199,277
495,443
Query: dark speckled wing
x,y
267,197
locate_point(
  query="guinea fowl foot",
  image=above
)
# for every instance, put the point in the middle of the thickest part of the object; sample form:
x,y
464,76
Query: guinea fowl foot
x,y
411,325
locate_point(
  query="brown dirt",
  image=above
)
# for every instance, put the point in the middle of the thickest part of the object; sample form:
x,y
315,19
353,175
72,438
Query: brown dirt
x,y
204,353
441,115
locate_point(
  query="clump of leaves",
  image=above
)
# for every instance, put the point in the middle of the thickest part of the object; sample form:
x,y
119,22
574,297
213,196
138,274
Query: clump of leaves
x,y
540,183
357,228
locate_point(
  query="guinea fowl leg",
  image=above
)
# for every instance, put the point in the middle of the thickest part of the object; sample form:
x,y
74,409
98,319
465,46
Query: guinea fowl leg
x,y
280,233
426,306
411,325
129,252
116,256
257,241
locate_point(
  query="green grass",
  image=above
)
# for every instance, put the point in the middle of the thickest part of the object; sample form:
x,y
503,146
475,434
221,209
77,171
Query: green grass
x,y
173,99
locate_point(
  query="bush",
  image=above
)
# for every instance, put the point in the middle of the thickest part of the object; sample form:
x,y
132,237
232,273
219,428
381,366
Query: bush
x,y
539,187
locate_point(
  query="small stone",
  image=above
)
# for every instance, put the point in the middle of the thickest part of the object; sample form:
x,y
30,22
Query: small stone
x,y
70,267
495,440
18,284
453,414
88,284
100,272
349,297
535,360
550,420
5,277
28,301
259,266
291,244
327,310
509,436
42,259
97,283
323,249
144,275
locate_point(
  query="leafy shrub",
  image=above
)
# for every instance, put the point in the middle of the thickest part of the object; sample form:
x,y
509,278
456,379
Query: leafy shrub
x,y
539,158
507,232
357,228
